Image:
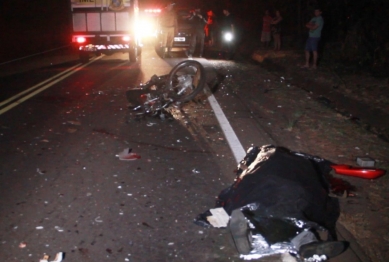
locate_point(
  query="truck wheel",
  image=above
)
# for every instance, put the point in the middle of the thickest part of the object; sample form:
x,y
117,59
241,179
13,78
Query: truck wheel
x,y
133,54
84,57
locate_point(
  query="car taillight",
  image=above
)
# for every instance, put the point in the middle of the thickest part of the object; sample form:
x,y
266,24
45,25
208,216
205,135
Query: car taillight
x,y
126,38
81,39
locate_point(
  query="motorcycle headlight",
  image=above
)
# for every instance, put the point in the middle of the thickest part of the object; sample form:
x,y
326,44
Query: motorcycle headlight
x,y
228,36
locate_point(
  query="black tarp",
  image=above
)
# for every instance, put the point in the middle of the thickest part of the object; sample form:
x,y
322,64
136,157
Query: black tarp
x,y
275,184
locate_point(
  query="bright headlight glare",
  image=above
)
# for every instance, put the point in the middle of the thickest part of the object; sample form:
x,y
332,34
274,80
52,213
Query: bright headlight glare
x,y
146,28
228,36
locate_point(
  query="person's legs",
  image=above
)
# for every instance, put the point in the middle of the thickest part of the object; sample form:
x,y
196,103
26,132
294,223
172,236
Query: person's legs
x,y
306,58
308,245
201,43
315,44
240,232
277,42
169,42
308,49
192,45
314,59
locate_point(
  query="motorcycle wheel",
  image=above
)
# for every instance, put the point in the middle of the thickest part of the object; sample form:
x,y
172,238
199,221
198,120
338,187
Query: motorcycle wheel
x,y
190,68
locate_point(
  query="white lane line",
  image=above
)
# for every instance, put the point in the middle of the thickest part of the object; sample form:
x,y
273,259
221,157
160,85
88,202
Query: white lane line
x,y
233,141
12,105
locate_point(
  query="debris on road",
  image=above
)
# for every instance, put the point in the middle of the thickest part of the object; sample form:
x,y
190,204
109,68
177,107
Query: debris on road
x,y
22,245
365,161
219,217
59,229
76,123
40,172
126,155
58,258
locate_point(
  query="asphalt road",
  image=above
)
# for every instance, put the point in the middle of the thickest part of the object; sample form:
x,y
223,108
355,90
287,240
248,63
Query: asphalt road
x,y
63,189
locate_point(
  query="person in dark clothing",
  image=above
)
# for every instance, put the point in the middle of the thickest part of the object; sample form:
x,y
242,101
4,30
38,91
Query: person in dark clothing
x,y
228,34
198,33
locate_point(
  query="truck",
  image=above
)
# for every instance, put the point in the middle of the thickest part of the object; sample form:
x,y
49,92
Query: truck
x,y
105,27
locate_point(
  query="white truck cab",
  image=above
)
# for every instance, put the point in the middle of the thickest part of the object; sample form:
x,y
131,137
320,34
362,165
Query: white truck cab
x,y
105,27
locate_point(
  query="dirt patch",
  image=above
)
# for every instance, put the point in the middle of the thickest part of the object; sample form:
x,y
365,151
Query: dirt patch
x,y
298,109
349,90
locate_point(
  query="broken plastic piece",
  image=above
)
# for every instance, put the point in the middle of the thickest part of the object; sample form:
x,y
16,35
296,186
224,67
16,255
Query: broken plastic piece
x,y
127,155
219,217
58,258
368,173
365,161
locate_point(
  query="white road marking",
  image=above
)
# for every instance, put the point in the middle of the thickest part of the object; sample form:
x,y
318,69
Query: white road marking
x,y
50,82
232,140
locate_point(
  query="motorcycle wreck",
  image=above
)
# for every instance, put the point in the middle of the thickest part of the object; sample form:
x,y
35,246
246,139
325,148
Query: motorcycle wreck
x,y
279,205
184,82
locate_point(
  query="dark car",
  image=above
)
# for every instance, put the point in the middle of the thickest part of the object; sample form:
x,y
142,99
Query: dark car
x,y
184,32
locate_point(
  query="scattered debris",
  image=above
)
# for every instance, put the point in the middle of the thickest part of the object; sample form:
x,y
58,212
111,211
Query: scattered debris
x,y
22,245
126,155
76,123
58,258
40,172
59,229
98,219
219,217
365,161
39,227
72,130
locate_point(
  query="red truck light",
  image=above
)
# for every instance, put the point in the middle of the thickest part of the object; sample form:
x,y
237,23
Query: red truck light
x,y
81,39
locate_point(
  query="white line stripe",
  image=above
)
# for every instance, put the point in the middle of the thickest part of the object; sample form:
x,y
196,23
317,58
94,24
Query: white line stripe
x,y
233,141
10,106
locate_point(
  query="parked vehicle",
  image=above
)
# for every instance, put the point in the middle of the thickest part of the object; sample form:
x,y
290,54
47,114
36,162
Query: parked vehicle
x,y
182,84
105,27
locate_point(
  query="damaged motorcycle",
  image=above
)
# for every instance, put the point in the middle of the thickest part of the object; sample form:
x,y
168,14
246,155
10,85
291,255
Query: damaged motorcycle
x,y
182,84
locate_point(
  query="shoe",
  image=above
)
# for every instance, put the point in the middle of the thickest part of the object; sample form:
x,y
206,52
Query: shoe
x,y
189,55
328,248
240,232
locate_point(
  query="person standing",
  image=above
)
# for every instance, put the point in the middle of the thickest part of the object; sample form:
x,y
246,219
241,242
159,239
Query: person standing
x,y
168,24
198,34
266,28
315,26
276,30
228,33
211,27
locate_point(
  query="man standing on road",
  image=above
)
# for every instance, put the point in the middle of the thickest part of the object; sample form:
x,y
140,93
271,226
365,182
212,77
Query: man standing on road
x,y
168,23
266,29
315,26
228,33
198,34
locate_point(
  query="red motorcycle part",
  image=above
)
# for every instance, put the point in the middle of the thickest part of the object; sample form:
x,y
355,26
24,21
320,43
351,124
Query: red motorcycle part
x,y
363,172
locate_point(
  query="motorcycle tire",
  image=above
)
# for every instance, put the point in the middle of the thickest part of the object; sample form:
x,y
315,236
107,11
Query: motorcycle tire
x,y
196,72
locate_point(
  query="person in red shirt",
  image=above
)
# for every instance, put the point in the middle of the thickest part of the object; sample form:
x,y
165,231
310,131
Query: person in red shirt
x,y
266,29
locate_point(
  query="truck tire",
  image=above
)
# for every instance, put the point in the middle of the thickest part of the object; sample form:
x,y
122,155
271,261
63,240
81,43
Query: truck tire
x,y
133,54
84,57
